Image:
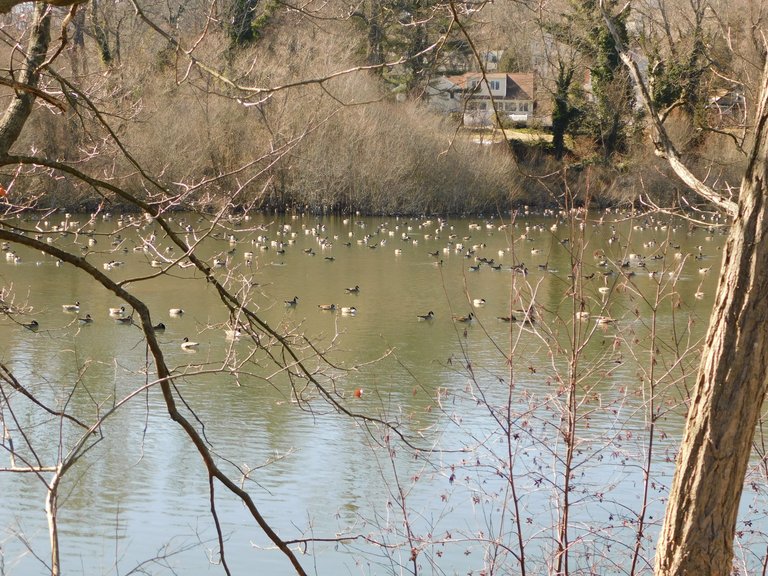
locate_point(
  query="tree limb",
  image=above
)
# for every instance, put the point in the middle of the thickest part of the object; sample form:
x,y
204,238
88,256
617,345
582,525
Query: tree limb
x,y
661,140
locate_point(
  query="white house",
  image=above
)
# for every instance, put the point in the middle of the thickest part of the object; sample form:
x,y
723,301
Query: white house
x,y
470,93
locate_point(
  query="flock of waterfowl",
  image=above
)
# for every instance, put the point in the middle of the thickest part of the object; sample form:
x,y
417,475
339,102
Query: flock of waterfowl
x,y
119,316
136,234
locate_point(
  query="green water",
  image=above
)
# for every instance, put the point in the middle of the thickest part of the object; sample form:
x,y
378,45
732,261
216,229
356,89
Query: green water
x,y
449,386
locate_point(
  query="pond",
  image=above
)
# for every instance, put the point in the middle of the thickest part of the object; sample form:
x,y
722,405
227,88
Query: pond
x,y
449,449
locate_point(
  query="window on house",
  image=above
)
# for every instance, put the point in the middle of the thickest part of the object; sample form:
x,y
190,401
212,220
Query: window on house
x,y
512,107
472,84
524,107
495,84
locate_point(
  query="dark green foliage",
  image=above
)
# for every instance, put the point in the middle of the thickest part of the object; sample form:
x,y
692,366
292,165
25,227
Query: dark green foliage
x,y
405,30
248,24
677,79
563,112
261,22
608,109
376,34
241,30
100,33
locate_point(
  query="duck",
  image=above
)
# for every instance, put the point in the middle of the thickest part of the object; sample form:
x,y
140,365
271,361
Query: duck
x,y
33,326
86,320
349,310
528,316
465,319
478,302
186,344
293,302
117,311
175,312
158,327
71,307
507,318
327,306
428,316
124,320
112,264
353,290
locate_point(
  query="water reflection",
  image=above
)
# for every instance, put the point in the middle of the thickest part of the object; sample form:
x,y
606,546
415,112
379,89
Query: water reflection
x,y
446,384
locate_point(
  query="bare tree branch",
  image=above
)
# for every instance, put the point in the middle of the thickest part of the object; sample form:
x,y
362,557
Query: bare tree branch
x,y
662,142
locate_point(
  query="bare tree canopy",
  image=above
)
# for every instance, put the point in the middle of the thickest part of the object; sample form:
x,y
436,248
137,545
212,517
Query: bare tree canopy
x,y
220,111
700,523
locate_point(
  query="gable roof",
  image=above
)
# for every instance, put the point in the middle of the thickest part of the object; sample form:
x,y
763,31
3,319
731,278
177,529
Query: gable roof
x,y
520,85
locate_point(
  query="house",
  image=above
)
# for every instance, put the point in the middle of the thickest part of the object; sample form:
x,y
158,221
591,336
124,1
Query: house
x,y
445,95
473,95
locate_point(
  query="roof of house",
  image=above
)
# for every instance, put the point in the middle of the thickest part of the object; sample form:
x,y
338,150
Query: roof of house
x,y
519,85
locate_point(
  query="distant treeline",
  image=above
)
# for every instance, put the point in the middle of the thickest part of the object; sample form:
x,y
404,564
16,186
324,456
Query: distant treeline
x,y
182,139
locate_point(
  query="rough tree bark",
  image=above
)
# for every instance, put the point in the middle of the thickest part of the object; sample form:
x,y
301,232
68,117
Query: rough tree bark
x,y
20,107
700,522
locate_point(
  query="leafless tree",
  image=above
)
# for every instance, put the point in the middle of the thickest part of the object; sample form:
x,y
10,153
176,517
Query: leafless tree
x,y
701,515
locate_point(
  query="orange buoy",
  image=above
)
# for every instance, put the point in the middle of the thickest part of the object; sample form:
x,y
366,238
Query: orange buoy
x,y
358,393
3,191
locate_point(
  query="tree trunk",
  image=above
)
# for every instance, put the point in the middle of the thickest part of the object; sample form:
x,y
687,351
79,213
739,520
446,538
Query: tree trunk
x,y
700,522
20,107
376,35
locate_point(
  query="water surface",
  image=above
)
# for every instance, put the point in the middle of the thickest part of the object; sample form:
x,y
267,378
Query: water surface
x,y
452,388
